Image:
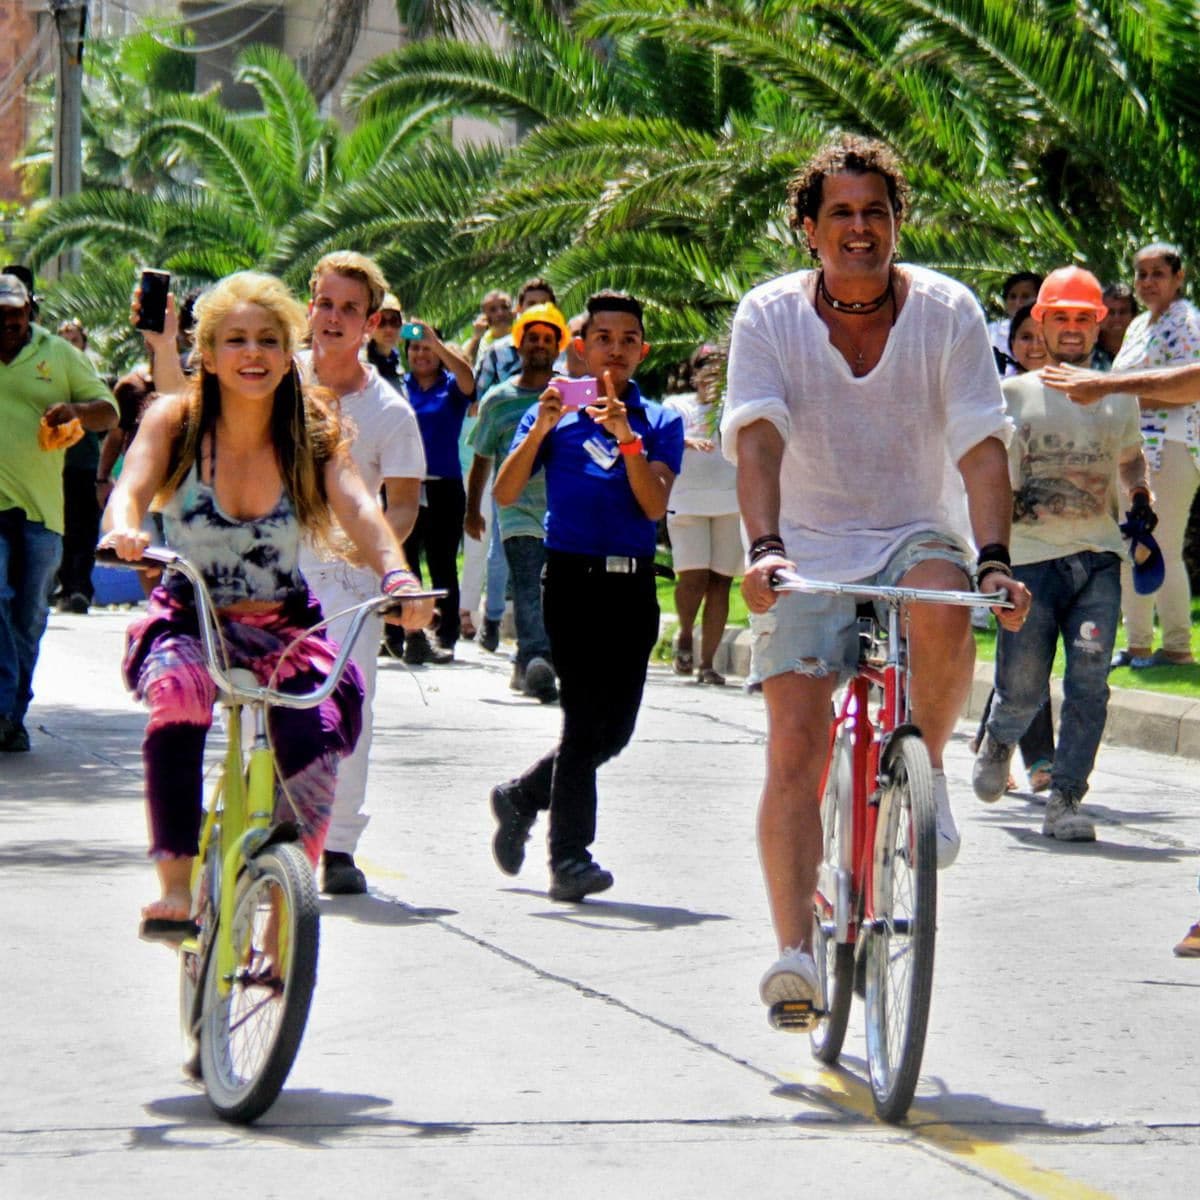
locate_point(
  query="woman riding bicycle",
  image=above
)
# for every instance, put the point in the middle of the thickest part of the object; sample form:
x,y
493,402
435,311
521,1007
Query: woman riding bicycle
x,y
241,467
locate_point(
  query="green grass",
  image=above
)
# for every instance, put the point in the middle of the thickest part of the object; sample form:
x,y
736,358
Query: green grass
x,y
1177,681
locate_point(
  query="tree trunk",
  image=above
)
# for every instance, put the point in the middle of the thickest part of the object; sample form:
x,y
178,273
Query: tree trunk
x,y
337,34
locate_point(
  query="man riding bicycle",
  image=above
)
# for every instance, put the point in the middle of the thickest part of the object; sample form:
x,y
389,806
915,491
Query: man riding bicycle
x,y
855,392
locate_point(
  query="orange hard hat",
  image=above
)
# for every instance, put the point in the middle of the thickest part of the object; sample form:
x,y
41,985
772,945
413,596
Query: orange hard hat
x,y
1070,287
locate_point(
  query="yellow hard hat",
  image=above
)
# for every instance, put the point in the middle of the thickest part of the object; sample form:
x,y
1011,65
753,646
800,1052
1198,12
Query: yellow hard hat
x,y
541,314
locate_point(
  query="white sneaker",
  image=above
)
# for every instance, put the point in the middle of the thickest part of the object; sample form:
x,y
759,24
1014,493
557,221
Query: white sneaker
x,y
792,977
948,840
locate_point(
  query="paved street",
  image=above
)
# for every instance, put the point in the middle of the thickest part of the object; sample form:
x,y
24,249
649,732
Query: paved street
x,y
471,1039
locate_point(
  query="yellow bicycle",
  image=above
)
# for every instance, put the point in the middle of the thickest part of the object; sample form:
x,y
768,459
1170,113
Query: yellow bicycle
x,y
248,971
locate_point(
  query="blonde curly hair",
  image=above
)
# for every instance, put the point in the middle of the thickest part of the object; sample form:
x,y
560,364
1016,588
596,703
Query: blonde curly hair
x,y
306,429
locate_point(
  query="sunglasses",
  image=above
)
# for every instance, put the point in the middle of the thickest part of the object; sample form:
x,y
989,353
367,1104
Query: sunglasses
x,y
391,320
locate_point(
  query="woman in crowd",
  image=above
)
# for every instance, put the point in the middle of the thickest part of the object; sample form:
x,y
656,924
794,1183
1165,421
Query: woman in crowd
x,y
1166,333
242,465
703,522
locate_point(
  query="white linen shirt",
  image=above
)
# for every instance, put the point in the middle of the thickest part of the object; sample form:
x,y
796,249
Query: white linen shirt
x,y
868,461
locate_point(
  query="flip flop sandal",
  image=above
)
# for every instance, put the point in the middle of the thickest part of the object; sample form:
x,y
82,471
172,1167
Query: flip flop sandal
x,y
684,662
466,626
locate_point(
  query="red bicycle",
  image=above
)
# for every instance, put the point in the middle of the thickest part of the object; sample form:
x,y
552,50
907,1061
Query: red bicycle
x,y
875,907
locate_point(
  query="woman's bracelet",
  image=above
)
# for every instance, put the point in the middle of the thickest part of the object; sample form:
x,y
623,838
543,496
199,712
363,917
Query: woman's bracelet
x,y
396,578
990,568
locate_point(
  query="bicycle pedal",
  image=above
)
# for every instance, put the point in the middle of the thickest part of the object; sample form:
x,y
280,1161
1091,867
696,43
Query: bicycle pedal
x,y
794,1016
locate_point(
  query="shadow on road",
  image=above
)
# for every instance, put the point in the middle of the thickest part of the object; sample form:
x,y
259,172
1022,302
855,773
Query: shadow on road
x,y
62,854
1032,839
955,1120
303,1117
377,910
625,918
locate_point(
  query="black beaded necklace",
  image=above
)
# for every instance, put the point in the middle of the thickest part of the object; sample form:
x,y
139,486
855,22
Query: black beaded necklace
x,y
859,308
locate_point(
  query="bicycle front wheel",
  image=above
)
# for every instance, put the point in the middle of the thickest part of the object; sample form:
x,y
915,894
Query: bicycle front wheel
x,y
900,941
249,1037
834,959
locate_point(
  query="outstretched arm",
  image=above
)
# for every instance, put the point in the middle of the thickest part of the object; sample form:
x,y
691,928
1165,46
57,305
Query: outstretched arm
x,y
1160,387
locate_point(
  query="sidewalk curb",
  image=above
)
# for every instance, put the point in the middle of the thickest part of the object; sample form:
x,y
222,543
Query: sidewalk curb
x,y
1145,720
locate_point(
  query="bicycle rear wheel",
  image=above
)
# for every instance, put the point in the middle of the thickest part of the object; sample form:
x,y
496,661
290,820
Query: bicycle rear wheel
x,y
900,941
249,1038
835,961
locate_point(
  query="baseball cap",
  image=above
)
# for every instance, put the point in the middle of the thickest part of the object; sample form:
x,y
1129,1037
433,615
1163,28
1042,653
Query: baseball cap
x,y
390,303
1070,287
1149,570
13,293
541,314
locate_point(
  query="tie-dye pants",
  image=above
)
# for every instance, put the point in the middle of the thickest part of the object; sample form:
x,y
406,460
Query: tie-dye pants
x,y
165,666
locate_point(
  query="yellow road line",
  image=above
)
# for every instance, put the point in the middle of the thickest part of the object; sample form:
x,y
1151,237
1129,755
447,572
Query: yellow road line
x,y
851,1093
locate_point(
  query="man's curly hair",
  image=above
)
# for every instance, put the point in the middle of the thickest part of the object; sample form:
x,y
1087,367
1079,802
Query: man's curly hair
x,y
849,152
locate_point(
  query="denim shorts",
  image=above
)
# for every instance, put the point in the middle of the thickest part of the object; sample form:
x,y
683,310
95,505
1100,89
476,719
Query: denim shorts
x,y
818,635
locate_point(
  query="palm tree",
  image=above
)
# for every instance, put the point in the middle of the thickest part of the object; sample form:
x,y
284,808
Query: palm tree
x,y
227,190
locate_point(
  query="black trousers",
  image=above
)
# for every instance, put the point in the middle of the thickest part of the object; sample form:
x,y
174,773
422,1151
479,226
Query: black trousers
x,y
436,537
601,677
81,531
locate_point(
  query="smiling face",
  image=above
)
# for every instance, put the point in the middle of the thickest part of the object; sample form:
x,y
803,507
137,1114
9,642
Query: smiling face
x,y
854,233
338,315
249,355
614,342
423,361
497,308
1070,334
1156,283
1028,346
539,347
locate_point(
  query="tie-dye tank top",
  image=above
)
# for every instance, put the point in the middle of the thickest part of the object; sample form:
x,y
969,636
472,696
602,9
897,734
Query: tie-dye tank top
x,y
255,559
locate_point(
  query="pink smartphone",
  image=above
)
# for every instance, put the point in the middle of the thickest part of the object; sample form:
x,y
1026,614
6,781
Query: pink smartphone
x,y
577,393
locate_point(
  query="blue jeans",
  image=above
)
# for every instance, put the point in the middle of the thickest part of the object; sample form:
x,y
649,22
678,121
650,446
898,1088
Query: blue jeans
x,y
497,571
526,556
1079,598
29,558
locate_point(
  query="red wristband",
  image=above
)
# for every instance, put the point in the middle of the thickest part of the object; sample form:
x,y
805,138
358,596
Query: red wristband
x,y
634,447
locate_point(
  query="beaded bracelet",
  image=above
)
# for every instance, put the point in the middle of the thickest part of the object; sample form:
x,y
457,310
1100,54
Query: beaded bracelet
x,y
395,579
769,543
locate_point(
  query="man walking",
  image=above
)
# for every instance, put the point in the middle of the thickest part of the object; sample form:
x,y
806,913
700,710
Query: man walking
x,y
609,469
347,290
44,382
1069,465
539,334
852,389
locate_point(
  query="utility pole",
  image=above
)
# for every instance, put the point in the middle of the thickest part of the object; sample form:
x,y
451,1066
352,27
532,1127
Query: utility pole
x,y
70,21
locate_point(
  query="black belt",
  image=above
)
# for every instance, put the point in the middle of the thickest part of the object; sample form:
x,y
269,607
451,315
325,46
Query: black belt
x,y
609,564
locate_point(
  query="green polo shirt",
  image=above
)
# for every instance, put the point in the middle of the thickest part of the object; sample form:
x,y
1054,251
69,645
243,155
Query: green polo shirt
x,y
47,371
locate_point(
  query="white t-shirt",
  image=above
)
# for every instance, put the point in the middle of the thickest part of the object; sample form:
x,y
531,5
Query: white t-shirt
x,y
1063,464
868,461
387,439
707,482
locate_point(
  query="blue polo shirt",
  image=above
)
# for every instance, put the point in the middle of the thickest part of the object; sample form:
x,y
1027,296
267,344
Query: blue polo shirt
x,y
440,411
590,507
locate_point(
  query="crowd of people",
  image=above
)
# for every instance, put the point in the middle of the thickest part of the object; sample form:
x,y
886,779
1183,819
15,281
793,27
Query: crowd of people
x,y
863,422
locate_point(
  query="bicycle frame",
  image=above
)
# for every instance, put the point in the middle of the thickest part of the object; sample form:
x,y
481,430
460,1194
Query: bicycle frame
x,y
869,737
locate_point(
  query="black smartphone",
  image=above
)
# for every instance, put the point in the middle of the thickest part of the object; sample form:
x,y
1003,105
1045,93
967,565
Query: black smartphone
x,y
156,285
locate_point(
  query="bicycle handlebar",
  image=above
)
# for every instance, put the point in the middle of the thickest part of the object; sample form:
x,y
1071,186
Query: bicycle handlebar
x,y
160,556
789,581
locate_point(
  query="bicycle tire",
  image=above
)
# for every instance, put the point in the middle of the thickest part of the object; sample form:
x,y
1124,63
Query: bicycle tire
x,y
249,1038
900,941
835,961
